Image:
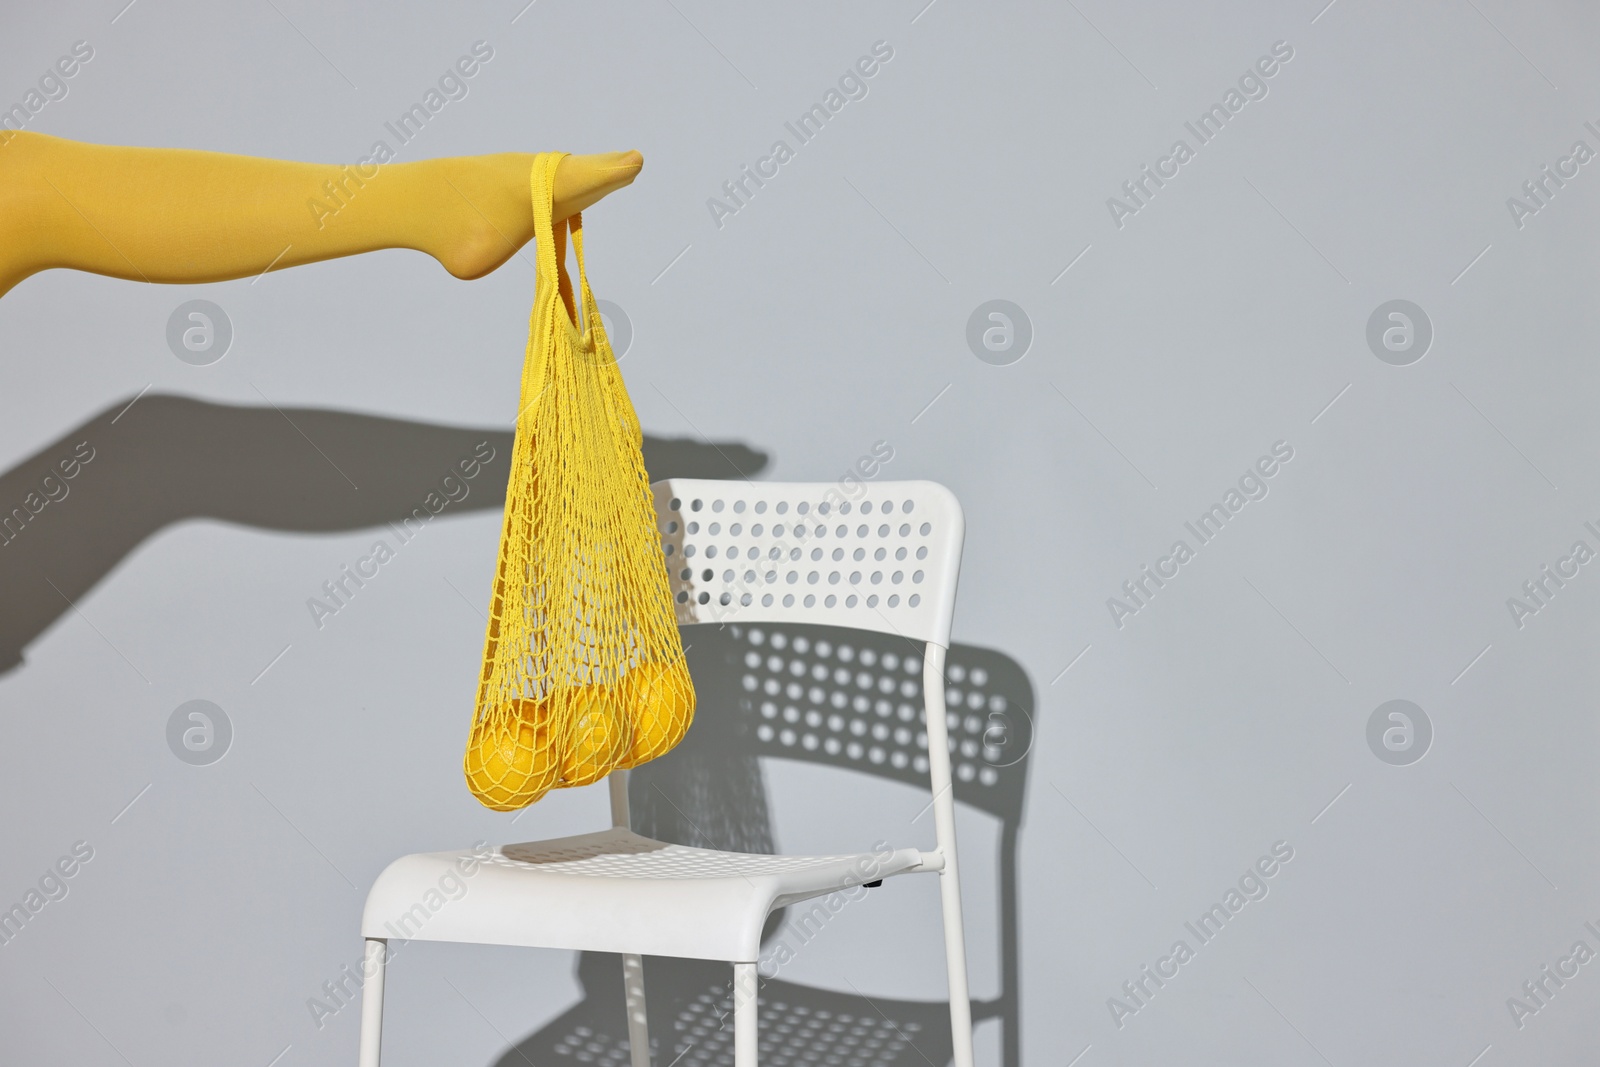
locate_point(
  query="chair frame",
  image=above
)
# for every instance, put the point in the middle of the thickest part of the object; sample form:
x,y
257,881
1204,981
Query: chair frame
x,y
932,625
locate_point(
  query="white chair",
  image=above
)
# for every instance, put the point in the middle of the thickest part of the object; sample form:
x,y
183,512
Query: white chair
x,y
740,552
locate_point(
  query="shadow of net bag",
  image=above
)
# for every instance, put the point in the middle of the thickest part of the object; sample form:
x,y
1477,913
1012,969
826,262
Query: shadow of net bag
x,y
583,668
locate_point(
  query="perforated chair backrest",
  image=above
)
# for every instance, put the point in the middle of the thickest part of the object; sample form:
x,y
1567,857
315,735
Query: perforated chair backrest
x,y
806,552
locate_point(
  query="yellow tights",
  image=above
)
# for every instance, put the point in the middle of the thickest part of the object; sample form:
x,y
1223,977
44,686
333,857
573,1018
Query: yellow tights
x,y
177,215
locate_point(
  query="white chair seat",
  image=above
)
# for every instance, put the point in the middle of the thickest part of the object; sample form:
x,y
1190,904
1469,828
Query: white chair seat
x,y
611,891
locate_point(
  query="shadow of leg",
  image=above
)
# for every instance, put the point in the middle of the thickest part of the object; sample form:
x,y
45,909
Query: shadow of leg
x,y
165,459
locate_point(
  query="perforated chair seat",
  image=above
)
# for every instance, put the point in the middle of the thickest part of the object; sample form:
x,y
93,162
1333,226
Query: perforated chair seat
x,y
610,891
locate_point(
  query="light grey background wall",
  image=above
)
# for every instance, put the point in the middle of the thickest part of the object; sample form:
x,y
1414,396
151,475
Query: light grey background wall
x,y
1171,348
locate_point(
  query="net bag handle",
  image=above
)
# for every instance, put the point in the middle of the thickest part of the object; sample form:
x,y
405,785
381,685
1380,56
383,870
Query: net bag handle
x,y
551,240
591,343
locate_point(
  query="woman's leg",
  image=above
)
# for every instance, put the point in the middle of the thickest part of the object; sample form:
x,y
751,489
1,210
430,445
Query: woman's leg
x,y
177,215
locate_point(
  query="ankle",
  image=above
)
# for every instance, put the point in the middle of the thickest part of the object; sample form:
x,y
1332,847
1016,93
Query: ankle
x,y
487,212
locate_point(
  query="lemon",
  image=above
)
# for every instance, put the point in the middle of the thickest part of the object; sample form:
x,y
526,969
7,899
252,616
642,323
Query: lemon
x,y
660,700
600,738
512,765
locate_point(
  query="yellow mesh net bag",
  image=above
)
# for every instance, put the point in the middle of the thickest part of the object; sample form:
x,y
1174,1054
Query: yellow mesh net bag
x,y
583,668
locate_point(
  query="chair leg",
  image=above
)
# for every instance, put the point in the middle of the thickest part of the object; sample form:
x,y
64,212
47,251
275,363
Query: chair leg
x,y
372,1001
944,827
638,1021
955,954
744,1015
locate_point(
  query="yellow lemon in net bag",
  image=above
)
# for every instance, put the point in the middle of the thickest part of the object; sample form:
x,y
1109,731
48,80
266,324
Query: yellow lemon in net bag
x,y
511,763
660,700
601,735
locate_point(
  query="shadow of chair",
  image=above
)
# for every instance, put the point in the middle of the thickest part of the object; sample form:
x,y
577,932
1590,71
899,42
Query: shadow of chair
x,y
846,699
161,460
